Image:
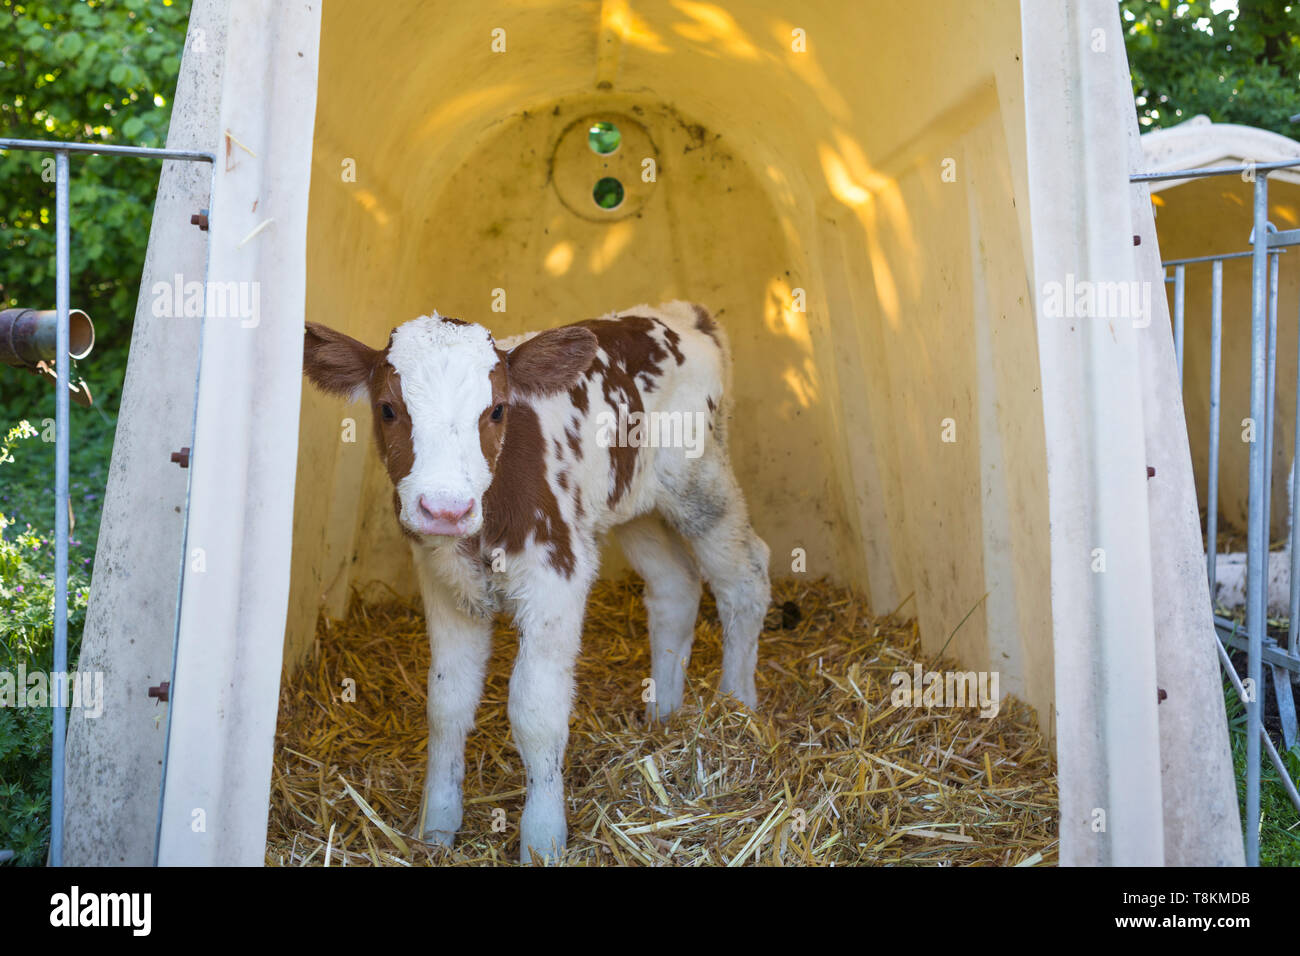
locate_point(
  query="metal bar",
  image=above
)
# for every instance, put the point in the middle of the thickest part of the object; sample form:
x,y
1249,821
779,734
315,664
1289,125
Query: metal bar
x,y
1215,171
1180,300
105,149
1281,689
1234,635
1281,681
1266,504
1257,543
1212,484
1285,704
1215,258
1273,757
63,374
1270,406
1293,624
1278,240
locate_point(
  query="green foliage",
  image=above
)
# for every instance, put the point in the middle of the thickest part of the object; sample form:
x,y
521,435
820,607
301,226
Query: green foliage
x,y
27,640
1186,59
88,71
20,431
1279,823
25,783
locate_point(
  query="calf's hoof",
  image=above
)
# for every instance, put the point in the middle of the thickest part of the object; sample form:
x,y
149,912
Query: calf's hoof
x,y
745,693
439,821
542,837
439,837
656,713
530,855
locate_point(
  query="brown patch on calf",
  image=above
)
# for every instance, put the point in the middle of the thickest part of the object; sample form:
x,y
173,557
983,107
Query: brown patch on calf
x,y
629,342
672,338
578,396
492,435
393,437
519,503
706,323
634,352
620,389
622,460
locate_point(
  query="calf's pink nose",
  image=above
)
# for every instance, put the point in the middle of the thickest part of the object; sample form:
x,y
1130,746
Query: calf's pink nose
x,y
446,509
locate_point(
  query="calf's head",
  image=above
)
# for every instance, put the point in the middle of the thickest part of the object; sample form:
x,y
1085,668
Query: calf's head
x,y
441,393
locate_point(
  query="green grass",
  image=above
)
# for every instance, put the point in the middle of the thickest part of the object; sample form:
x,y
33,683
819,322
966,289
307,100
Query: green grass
x,y
1279,824
27,483
27,590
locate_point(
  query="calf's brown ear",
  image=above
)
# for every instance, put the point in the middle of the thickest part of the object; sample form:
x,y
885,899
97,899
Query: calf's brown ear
x,y
337,363
551,361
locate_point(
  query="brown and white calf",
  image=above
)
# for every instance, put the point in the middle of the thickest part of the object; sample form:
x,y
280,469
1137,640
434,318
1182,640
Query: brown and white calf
x,y
509,462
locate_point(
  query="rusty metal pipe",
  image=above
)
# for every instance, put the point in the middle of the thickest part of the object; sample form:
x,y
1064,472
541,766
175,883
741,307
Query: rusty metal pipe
x,y
27,337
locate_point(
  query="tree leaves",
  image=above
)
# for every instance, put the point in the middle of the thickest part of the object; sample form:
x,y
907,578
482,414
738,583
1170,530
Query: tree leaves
x,y
1186,60
68,45
87,71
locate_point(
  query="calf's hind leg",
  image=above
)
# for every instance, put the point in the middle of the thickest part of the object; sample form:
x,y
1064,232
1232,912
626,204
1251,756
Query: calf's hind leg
x,y
672,599
709,511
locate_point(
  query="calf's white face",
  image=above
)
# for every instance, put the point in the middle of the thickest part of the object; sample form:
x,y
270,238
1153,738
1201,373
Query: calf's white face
x,y
446,374
441,393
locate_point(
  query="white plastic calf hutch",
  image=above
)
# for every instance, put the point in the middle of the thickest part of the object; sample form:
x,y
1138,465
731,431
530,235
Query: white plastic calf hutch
x,y
880,201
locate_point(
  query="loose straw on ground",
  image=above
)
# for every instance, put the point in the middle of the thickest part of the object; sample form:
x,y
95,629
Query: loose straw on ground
x,y
828,773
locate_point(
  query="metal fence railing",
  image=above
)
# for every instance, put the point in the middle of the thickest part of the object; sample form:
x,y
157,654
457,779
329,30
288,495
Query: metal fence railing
x,y
1267,246
63,229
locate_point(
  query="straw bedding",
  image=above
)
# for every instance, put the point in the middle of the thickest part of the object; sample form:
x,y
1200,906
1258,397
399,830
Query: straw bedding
x,y
829,772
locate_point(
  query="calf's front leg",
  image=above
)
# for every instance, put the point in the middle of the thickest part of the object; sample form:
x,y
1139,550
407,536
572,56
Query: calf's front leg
x,y
460,646
541,696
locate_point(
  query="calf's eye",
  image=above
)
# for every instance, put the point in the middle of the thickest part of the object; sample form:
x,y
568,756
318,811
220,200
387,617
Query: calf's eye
x,y
498,412
386,412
